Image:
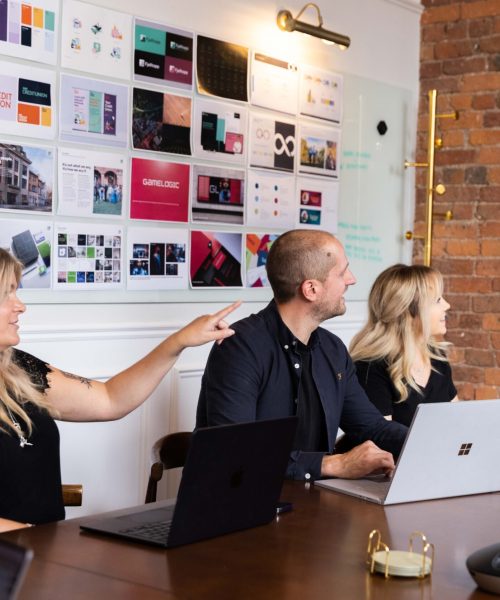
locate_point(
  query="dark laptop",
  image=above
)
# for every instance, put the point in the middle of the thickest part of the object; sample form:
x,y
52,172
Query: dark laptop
x,y
232,480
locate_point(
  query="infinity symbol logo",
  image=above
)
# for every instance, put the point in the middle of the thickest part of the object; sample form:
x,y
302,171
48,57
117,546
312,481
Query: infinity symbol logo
x,y
286,145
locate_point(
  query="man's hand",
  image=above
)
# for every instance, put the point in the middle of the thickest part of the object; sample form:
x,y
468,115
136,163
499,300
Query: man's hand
x,y
361,460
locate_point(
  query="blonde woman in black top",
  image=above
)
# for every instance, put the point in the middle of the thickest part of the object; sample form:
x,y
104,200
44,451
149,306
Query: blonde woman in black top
x,y
399,354
33,393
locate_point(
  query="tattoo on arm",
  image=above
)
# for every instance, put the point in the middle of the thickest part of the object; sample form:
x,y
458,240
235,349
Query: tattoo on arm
x,y
84,380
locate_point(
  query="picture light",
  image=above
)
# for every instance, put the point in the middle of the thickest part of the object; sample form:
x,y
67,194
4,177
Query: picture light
x,y
286,22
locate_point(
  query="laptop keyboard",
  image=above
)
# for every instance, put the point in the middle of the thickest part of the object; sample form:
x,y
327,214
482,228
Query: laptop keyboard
x,y
156,531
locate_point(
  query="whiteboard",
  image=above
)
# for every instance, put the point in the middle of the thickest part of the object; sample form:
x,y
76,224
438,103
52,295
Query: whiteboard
x,y
374,203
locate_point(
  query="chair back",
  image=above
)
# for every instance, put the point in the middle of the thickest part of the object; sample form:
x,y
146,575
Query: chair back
x,y
14,562
169,452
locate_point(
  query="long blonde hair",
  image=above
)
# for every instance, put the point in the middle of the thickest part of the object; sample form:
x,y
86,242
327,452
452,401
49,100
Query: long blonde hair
x,y
398,327
16,387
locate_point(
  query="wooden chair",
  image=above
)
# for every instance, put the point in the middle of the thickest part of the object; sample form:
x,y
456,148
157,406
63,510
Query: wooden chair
x,y
72,494
169,452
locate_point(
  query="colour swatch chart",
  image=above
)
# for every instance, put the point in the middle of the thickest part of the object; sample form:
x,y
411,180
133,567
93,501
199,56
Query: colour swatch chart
x,y
271,200
96,40
321,94
157,258
88,257
91,184
29,30
163,54
318,203
27,101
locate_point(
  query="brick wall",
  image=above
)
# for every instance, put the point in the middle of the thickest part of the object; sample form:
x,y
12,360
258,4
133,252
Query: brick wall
x,y
460,57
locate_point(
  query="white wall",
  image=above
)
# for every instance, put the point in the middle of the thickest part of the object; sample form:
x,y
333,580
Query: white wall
x,y
112,459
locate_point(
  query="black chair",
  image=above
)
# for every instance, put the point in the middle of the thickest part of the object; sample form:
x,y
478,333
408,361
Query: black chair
x,y
169,452
14,562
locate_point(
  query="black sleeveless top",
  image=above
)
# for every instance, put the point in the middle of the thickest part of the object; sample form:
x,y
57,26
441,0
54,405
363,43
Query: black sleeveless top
x,y
30,477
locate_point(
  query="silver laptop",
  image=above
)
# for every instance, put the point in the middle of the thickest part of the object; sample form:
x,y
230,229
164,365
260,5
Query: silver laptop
x,y
452,449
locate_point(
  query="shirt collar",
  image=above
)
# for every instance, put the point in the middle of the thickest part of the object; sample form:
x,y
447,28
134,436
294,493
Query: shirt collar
x,y
286,338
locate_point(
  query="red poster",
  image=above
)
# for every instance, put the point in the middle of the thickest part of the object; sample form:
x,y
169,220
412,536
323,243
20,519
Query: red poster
x,y
159,190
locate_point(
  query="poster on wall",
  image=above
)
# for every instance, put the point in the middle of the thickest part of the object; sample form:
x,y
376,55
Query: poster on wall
x,y
93,111
161,121
90,183
257,246
217,195
157,258
96,40
162,54
220,131
319,150
221,69
26,178
216,259
29,30
318,201
31,243
321,94
27,104
270,200
87,256
274,84
159,190
272,143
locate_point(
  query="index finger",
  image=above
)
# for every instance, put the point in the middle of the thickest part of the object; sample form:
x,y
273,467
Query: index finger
x,y
219,315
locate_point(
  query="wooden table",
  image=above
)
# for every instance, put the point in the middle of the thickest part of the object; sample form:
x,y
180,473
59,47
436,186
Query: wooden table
x,y
317,551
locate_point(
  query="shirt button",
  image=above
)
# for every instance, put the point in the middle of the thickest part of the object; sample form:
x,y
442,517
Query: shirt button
x,y
296,400
307,476
296,365
286,346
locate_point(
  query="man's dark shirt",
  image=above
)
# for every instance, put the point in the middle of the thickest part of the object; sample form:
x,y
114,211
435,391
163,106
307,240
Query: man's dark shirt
x,y
256,373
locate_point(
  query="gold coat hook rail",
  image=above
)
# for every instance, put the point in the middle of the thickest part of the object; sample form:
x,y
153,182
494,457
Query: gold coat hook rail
x,y
433,144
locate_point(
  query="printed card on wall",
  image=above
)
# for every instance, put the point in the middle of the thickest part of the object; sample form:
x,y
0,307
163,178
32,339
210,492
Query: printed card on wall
x,y
93,111
321,94
26,178
272,143
161,121
31,243
97,40
271,201
159,190
157,258
318,201
29,30
162,54
274,84
220,131
27,103
319,150
216,259
91,183
257,246
88,256
217,195
221,69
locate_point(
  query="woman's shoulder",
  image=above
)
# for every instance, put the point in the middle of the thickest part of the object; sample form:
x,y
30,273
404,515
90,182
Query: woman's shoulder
x,y
37,369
